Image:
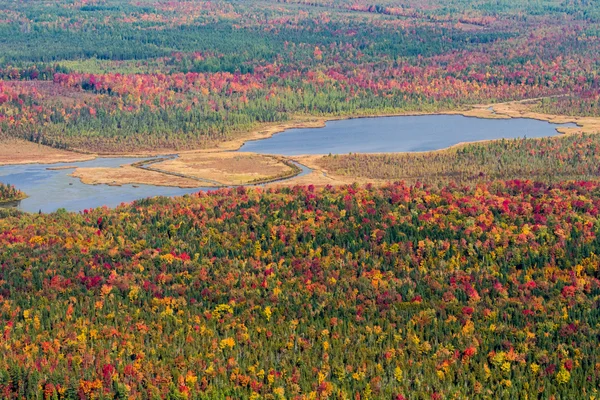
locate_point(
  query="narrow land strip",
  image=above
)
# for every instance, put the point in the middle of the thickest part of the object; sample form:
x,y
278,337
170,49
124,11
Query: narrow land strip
x,y
196,170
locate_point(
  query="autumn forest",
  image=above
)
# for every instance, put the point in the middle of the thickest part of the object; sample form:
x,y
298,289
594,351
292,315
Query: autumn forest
x,y
471,272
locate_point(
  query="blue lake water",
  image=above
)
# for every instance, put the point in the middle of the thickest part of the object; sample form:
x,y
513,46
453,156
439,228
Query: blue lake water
x,y
49,190
398,134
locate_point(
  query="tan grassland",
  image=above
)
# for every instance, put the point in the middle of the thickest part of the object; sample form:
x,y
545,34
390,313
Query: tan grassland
x,y
127,174
522,109
15,151
193,170
227,168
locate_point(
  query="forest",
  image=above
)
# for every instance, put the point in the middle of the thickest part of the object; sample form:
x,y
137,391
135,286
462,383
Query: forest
x,y
549,160
9,193
466,273
403,292
117,76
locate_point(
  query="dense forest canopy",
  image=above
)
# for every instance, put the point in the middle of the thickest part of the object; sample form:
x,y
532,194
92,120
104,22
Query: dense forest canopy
x,y
476,287
185,74
400,292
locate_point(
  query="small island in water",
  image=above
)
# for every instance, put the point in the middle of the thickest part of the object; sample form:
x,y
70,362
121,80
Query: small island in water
x,y
10,196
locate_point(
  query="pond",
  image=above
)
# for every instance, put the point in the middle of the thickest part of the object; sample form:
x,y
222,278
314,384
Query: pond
x,y
398,134
49,190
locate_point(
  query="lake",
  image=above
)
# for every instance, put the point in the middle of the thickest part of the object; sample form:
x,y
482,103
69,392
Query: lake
x,y
398,134
49,190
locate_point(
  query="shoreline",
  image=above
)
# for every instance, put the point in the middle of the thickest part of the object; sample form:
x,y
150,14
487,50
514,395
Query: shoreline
x,y
8,203
308,122
15,151
507,110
